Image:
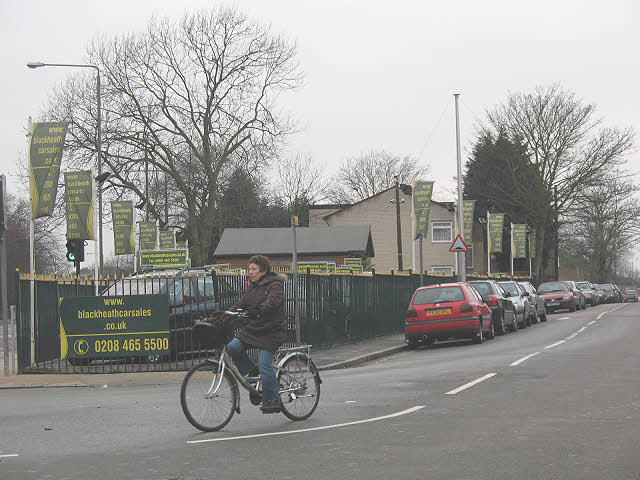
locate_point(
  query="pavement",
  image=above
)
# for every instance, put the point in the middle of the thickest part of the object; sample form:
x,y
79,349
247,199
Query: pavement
x,y
341,356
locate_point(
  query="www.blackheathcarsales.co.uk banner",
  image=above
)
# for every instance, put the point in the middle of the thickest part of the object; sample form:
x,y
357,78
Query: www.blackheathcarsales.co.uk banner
x,y
78,195
496,222
45,157
422,192
122,215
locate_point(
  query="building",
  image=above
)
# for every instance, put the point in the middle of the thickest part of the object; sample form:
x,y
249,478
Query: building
x,y
327,244
379,213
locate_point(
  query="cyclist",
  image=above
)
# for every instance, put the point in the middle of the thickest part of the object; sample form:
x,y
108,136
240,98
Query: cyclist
x,y
265,328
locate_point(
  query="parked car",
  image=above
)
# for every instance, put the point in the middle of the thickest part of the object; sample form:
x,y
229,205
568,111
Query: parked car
x,y
536,300
557,296
581,302
630,295
447,311
520,300
502,309
609,293
588,292
599,293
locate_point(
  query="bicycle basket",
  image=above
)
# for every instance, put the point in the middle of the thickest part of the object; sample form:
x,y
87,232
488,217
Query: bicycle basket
x,y
213,332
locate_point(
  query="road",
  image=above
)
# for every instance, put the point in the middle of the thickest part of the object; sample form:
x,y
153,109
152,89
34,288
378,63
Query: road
x,y
559,400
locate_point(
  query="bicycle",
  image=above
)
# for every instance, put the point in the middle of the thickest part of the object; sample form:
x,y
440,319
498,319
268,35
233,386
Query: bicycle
x,y
210,396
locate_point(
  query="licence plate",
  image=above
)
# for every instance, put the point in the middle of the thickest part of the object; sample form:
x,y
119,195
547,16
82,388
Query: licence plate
x,y
553,304
437,311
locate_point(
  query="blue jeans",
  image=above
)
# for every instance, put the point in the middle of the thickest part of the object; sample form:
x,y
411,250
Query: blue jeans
x,y
270,389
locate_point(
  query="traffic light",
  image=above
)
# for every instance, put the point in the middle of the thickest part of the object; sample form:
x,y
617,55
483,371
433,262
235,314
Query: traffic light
x,y
75,250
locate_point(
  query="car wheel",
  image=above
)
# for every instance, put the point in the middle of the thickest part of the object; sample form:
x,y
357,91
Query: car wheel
x,y
478,337
413,343
573,308
500,323
543,317
524,322
514,325
492,333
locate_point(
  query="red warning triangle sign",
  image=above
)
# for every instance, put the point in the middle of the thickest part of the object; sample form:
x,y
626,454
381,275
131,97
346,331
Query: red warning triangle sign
x,y
458,245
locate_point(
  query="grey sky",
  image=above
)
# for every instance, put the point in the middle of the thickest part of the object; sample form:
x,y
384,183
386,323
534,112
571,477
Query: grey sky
x,y
378,74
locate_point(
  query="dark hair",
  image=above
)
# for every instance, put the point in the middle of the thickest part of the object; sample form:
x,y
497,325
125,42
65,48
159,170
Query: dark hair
x,y
261,261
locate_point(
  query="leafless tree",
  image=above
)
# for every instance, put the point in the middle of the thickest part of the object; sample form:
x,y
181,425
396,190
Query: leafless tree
x,y
372,172
298,179
604,225
566,142
184,103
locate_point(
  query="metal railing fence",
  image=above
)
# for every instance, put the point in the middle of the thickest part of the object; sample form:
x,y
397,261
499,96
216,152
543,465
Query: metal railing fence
x,y
333,310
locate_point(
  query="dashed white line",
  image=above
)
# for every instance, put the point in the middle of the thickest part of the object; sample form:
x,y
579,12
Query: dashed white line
x,y
470,384
555,344
10,455
582,329
591,322
518,362
600,316
564,318
573,335
326,427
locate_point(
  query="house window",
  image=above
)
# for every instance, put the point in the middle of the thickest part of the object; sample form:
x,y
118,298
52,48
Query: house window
x,y
442,269
441,232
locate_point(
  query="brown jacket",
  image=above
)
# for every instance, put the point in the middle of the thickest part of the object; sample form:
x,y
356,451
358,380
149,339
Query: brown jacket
x,y
266,327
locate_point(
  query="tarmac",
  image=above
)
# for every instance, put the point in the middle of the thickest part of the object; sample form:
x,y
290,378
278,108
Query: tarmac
x,y
341,356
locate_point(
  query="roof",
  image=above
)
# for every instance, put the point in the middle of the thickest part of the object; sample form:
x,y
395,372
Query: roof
x,y
277,241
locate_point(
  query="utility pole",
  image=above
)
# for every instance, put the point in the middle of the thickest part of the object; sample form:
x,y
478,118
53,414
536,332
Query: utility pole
x,y
556,256
398,226
294,267
462,264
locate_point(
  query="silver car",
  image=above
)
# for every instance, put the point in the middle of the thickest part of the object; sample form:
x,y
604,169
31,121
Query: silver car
x,y
589,293
538,310
519,298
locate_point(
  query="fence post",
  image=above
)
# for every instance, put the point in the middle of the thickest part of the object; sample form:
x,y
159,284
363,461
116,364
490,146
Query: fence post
x,y
393,295
19,331
309,307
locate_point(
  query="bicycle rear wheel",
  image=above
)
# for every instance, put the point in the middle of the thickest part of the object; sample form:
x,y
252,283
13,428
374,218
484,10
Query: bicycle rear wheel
x,y
299,387
204,410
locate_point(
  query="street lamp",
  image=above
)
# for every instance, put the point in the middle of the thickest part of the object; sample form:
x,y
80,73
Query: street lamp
x,y
34,65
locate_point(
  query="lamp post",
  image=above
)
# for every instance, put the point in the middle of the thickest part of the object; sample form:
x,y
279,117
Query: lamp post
x,y
98,141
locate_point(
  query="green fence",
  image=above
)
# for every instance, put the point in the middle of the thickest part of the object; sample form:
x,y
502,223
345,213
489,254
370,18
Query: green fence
x,y
333,310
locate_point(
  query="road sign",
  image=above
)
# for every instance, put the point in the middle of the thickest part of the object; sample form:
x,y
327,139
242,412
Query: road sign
x,y
458,246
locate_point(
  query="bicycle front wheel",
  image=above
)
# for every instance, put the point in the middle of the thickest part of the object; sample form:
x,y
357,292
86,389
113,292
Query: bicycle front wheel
x,y
206,410
299,385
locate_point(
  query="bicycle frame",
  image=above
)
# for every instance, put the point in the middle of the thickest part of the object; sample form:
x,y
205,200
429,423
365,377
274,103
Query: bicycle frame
x,y
226,362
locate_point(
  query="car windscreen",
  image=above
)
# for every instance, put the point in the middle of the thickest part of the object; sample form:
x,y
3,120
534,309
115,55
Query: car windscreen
x,y
553,287
631,292
583,286
438,295
511,289
483,287
607,287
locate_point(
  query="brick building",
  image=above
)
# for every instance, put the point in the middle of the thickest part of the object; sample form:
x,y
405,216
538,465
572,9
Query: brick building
x,y
379,213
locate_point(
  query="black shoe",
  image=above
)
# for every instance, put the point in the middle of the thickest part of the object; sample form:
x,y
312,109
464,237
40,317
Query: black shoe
x,y
271,408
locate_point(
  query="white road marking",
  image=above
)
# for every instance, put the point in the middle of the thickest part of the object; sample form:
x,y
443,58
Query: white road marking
x,y
470,384
10,455
600,316
350,401
518,362
591,322
582,329
555,344
573,335
326,427
564,318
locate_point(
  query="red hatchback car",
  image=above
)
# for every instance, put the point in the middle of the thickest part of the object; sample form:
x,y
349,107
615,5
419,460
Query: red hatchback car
x,y
447,311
